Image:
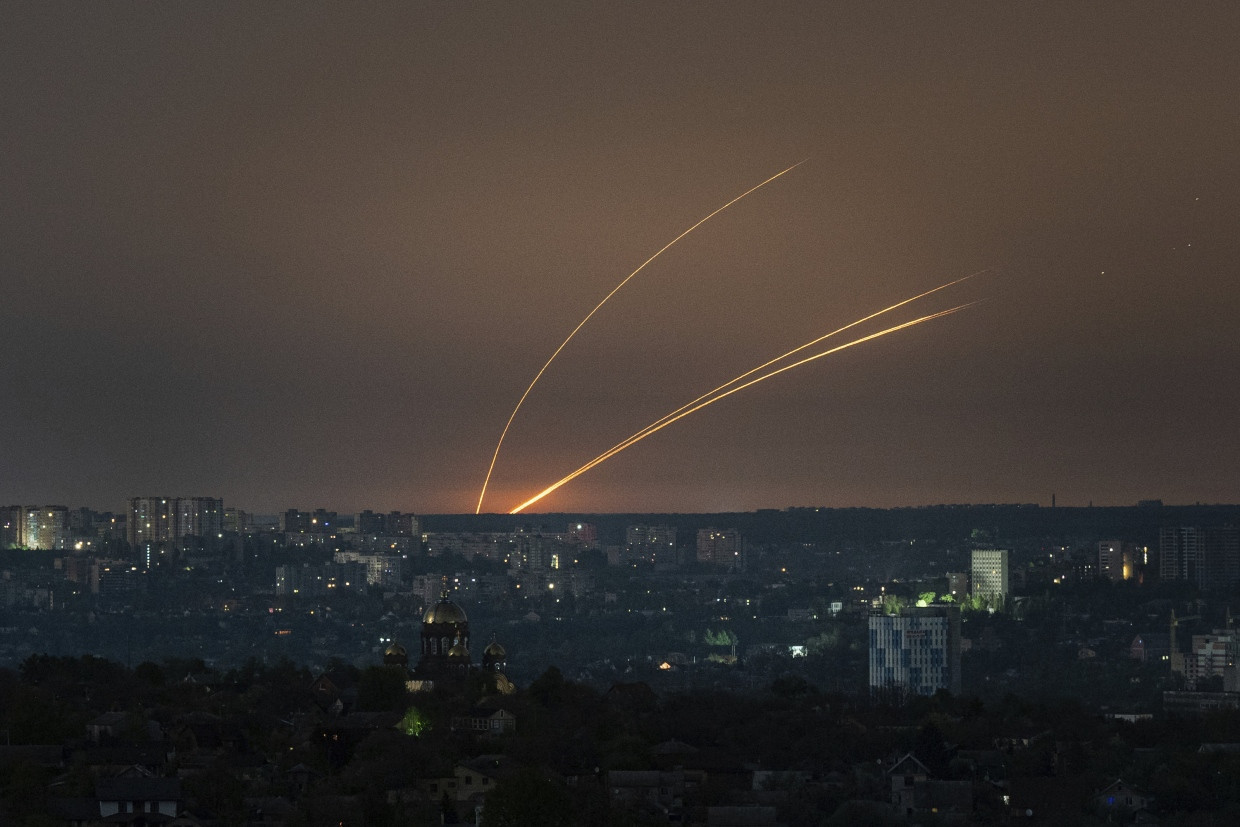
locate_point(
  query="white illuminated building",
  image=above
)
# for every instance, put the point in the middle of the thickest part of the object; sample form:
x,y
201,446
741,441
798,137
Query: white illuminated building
x,y
990,572
917,651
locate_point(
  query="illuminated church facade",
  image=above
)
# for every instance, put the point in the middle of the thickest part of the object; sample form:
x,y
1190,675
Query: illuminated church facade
x,y
445,658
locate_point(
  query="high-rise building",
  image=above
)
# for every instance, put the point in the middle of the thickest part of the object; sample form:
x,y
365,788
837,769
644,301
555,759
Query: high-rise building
x,y
1119,561
651,543
34,527
159,524
1206,557
172,519
237,521
151,520
1213,655
11,526
990,574
1115,561
380,569
958,585
917,651
1222,552
323,521
198,517
368,522
723,547
392,524
535,552
402,525
1179,554
584,533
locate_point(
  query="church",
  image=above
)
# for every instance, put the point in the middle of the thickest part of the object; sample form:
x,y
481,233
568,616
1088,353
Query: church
x,y
445,659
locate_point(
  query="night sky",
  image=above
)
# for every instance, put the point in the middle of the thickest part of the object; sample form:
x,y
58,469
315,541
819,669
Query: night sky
x,y
295,255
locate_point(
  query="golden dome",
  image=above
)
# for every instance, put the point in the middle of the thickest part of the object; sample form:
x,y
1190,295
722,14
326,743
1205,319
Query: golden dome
x,y
445,611
494,650
396,650
458,651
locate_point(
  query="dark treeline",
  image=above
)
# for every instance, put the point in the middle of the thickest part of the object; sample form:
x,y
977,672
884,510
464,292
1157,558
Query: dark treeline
x,y
250,737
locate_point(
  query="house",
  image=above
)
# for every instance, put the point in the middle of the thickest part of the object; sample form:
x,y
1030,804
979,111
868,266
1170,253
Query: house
x,y
335,691
904,775
149,759
664,789
654,792
1119,795
106,726
469,782
485,722
138,800
475,778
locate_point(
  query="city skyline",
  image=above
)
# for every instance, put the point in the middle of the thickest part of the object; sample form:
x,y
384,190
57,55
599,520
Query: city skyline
x,y
295,257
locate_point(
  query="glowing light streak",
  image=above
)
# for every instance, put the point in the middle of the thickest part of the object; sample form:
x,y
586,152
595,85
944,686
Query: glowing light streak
x,y
663,422
616,289
808,345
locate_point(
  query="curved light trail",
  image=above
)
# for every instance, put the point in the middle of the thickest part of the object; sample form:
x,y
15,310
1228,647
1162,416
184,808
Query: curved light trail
x,y
808,345
692,407
569,338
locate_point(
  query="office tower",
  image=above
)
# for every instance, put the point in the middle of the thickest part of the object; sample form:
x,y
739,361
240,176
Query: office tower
x,y
917,651
990,573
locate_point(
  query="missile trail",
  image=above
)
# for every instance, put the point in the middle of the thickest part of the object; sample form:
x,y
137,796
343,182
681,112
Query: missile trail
x,y
659,422
569,338
662,423
810,344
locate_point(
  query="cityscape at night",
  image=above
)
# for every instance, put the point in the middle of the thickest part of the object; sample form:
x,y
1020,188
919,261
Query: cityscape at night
x,y
724,414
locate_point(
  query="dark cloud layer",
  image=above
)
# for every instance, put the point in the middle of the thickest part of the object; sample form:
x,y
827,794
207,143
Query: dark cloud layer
x,y
304,254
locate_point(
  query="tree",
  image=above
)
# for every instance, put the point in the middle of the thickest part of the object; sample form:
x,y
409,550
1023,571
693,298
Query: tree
x,y
150,674
528,798
414,723
893,604
548,688
382,689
